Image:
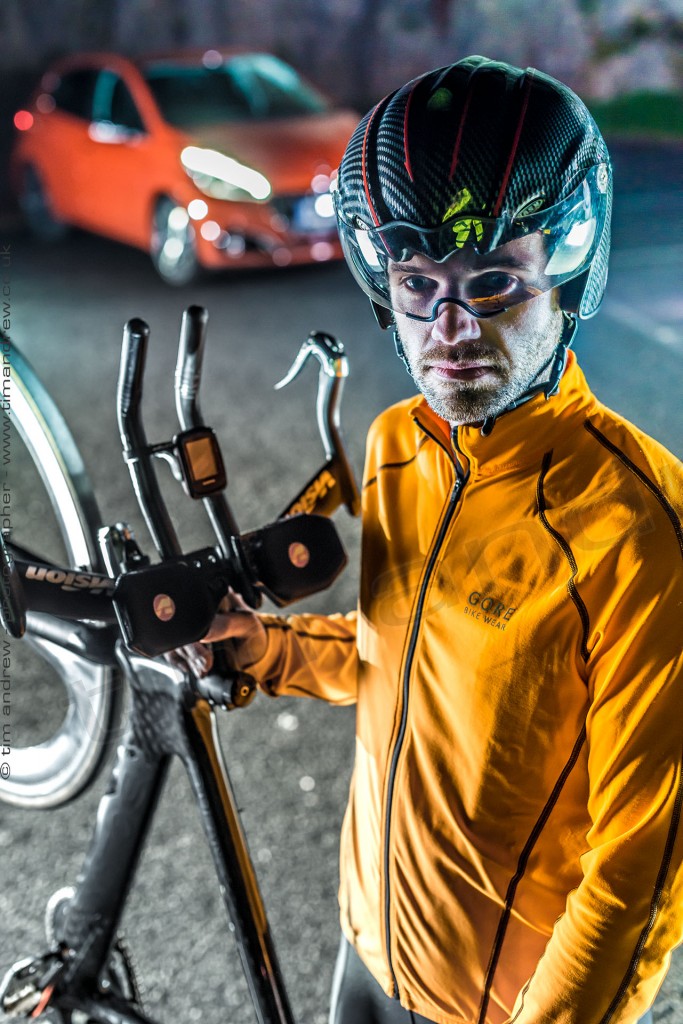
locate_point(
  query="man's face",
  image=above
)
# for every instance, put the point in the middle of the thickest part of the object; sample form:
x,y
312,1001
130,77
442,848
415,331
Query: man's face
x,y
469,368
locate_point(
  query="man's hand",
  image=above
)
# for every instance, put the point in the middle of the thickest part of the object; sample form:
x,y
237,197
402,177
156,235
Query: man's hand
x,y
195,658
238,626
237,622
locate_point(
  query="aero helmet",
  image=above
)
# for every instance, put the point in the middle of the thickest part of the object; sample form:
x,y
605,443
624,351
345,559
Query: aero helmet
x,y
476,155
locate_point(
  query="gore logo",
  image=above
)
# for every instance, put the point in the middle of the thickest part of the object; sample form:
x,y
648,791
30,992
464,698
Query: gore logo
x,y
489,610
491,605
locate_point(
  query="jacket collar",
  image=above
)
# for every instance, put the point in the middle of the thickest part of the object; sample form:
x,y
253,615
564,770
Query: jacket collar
x,y
519,437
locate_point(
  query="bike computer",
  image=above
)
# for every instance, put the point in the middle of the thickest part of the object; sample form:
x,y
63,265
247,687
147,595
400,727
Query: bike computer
x,y
200,460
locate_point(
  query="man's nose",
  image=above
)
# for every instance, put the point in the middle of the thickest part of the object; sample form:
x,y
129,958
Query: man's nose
x,y
454,324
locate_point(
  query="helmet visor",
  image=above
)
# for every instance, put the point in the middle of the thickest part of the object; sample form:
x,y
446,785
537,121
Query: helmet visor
x,y
485,264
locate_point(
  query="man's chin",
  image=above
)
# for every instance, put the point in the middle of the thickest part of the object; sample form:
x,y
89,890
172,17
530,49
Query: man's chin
x,y
468,405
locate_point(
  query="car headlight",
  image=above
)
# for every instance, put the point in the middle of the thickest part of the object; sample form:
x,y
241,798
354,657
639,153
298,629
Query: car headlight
x,y
221,177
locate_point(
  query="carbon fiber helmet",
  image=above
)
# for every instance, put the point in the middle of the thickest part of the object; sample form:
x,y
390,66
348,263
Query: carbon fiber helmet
x,y
478,154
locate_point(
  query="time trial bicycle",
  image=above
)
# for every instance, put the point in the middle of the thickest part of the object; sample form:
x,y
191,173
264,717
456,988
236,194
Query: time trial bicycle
x,y
107,616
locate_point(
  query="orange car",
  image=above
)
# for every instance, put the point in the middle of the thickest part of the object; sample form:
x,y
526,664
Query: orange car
x,y
209,160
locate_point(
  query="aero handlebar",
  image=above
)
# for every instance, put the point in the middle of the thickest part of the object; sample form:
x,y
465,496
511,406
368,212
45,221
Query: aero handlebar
x,y
164,606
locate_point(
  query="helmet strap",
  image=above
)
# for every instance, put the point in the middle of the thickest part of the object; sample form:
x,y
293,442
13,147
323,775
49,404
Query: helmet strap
x,y
398,345
560,354
551,386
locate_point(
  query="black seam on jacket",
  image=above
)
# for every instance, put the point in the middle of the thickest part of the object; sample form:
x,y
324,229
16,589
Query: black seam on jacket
x,y
285,626
434,438
654,904
645,480
393,465
521,868
569,555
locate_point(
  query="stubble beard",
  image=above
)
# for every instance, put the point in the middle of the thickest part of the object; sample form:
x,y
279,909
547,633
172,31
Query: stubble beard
x,y
461,402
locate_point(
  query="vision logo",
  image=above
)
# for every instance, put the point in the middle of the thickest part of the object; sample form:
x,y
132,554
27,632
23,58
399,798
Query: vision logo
x,y
68,580
314,494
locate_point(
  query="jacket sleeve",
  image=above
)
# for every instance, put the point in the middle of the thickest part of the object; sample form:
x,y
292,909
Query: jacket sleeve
x,y
309,656
610,951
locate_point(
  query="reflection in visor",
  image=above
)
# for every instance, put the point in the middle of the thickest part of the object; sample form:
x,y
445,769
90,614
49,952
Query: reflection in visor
x,y
566,237
482,293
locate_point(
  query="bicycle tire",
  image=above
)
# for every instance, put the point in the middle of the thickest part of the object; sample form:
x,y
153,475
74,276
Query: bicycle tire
x,y
37,446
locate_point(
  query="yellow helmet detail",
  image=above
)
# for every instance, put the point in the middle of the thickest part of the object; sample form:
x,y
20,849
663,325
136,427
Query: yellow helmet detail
x,y
461,202
469,229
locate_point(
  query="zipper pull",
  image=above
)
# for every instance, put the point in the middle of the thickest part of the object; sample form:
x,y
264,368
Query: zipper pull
x,y
462,474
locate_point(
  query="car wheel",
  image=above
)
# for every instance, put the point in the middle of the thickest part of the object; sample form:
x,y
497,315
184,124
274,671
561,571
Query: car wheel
x,y
35,205
173,248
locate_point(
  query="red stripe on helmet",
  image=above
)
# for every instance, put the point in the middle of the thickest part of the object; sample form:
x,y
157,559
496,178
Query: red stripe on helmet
x,y
515,144
364,168
406,162
461,126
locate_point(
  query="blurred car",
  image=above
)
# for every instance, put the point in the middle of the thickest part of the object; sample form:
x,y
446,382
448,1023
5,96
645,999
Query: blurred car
x,y
205,160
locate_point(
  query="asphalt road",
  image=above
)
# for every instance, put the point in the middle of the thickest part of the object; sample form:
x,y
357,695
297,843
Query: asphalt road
x,y
289,760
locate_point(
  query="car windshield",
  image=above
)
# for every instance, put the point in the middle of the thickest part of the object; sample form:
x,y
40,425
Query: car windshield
x,y
245,88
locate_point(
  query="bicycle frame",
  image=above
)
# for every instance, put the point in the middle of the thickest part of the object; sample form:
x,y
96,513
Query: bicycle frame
x,y
167,718
171,713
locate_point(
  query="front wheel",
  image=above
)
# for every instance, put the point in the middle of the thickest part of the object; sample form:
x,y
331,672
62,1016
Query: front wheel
x,y
60,711
173,245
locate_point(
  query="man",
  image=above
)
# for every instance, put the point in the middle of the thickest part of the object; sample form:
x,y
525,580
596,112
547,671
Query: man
x,y
512,847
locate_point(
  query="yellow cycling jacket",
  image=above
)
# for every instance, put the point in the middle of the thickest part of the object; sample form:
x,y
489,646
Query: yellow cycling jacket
x,y
512,845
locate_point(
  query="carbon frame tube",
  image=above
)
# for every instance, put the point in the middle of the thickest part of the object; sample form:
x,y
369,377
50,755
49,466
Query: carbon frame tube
x,y
66,593
90,920
239,886
166,717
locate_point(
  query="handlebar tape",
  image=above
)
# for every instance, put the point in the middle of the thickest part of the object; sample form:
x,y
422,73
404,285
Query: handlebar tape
x,y
190,353
133,356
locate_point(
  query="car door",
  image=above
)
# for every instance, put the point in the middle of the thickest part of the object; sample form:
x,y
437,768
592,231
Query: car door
x,y
63,139
120,161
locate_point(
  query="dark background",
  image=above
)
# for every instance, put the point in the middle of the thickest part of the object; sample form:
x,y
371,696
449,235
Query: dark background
x,y
357,50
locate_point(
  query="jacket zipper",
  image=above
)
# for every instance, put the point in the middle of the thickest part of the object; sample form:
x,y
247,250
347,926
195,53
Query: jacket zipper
x,y
460,480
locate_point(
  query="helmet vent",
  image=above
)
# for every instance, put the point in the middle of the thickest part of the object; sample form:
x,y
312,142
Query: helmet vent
x,y
515,144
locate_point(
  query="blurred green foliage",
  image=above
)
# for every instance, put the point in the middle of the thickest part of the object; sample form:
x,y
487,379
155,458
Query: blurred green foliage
x,y
652,114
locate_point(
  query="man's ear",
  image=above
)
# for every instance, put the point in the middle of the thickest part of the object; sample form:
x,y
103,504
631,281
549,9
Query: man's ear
x,y
383,316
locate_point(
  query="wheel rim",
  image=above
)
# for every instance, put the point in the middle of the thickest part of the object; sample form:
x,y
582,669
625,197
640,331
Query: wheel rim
x,y
54,506
48,774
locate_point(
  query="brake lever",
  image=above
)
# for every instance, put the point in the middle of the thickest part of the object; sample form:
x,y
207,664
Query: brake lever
x,y
335,484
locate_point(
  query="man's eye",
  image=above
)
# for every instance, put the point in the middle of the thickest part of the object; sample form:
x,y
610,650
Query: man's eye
x,y
495,283
417,283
